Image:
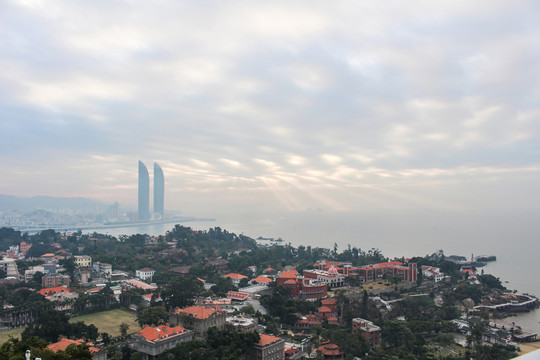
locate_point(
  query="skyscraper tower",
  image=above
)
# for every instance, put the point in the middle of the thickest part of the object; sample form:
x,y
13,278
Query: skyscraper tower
x,y
159,190
144,193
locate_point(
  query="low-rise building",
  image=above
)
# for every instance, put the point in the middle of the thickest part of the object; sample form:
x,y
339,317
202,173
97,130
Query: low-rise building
x,y
199,319
236,278
83,260
103,268
9,266
331,351
152,341
269,347
54,280
97,354
241,324
145,273
368,331
301,287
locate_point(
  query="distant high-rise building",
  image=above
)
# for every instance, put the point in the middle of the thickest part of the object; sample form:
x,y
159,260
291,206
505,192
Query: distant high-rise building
x,y
144,193
159,190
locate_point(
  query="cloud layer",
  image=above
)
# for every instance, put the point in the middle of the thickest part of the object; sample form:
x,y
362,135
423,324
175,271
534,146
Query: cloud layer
x,y
280,106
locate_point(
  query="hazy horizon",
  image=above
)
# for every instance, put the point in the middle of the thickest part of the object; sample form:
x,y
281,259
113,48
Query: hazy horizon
x,y
269,108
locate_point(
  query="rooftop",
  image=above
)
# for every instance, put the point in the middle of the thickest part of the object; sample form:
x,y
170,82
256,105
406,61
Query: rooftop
x,y
159,332
198,312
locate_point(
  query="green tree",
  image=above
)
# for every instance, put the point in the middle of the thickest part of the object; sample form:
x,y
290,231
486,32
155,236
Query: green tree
x,y
152,316
181,291
124,329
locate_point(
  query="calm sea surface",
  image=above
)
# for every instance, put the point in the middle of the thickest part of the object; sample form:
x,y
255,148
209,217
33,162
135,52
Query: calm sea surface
x,y
513,237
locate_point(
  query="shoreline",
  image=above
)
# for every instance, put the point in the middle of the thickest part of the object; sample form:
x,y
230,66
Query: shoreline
x,y
528,347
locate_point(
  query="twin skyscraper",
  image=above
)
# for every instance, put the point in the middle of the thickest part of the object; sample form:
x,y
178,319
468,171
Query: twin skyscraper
x,y
144,192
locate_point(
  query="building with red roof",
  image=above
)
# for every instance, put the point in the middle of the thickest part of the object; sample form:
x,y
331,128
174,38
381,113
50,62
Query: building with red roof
x,y
301,287
269,347
261,280
54,290
331,351
152,341
199,318
368,331
97,354
236,278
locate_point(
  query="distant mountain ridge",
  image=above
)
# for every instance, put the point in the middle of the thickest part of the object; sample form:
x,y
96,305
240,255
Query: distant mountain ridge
x,y
25,204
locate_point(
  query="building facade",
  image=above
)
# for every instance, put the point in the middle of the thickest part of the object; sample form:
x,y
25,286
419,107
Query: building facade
x,y
54,280
368,331
83,260
145,273
269,347
144,193
152,341
159,190
199,319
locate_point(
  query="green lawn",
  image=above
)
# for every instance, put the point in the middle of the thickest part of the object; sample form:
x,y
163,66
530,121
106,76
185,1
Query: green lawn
x,y
106,321
16,333
109,321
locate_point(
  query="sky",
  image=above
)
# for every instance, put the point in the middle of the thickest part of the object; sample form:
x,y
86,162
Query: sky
x,y
276,106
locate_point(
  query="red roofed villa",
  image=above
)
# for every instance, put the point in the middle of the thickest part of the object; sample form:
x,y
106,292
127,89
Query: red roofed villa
x,y
62,345
268,347
152,341
199,318
236,278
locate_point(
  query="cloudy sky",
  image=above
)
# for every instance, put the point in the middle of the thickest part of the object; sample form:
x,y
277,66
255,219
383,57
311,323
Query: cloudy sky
x,y
284,106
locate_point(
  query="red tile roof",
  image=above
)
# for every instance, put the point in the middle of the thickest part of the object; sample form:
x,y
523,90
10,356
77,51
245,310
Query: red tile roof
x,y
159,332
64,343
53,290
235,276
325,309
198,312
262,279
288,274
329,301
267,339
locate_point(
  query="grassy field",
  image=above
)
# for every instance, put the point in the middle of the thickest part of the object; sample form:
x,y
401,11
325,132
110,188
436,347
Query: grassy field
x,y
106,321
109,321
16,333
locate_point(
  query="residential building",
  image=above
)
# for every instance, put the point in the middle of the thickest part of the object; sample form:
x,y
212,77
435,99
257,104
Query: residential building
x,y
83,260
330,277
236,278
54,290
152,341
103,268
368,331
331,351
145,273
97,354
300,287
376,272
261,280
9,266
199,319
241,324
54,280
269,347
24,247
432,272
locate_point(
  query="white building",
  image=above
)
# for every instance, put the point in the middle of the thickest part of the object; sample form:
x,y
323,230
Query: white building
x,y
432,272
83,261
145,273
